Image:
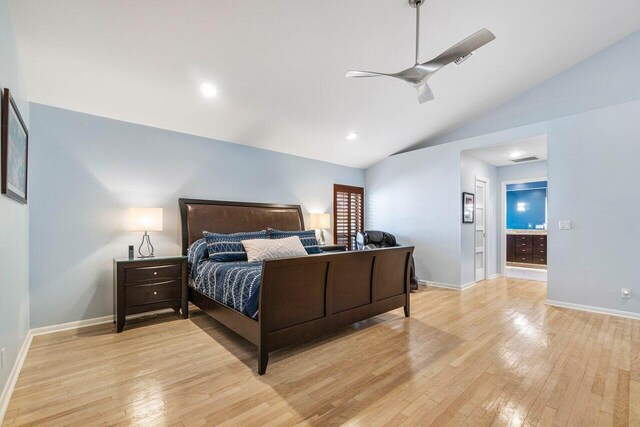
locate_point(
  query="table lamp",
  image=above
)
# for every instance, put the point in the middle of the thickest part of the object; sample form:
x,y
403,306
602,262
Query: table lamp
x,y
320,222
145,219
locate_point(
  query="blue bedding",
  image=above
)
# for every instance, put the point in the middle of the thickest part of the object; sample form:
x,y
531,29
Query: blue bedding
x,y
234,284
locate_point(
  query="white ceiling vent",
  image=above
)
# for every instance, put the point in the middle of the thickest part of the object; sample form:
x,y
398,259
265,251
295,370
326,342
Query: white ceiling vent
x,y
525,159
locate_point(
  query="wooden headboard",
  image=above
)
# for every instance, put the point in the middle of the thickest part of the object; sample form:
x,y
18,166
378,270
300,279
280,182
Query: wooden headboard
x,y
231,217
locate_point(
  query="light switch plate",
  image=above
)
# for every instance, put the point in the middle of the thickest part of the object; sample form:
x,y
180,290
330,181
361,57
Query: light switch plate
x,y
564,225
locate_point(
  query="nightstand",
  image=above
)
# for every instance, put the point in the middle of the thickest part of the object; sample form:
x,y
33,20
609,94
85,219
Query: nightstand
x,y
147,284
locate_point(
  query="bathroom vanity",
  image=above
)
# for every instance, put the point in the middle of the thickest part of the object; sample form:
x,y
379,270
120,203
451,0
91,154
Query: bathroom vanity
x,y
527,246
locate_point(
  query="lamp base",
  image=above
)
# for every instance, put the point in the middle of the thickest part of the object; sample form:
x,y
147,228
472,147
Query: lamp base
x,y
321,240
146,242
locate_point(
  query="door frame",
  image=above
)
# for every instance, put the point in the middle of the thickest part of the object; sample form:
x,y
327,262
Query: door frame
x,y
486,219
503,217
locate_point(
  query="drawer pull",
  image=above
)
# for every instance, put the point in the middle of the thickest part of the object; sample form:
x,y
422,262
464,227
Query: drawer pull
x,y
155,273
155,293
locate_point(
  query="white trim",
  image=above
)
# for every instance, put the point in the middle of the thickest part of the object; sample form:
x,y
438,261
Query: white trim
x,y
448,285
591,309
494,276
439,284
90,322
5,397
71,325
469,285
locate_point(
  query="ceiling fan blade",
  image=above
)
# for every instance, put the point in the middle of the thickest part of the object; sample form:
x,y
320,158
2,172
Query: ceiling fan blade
x,y
459,50
424,93
356,74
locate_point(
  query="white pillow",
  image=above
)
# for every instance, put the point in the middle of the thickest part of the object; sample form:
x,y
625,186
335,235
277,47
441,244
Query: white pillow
x,y
261,249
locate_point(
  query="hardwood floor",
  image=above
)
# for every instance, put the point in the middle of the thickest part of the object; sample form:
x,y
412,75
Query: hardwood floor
x,y
494,354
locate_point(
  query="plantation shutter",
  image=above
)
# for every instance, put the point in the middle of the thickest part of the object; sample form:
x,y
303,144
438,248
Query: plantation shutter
x,y
348,214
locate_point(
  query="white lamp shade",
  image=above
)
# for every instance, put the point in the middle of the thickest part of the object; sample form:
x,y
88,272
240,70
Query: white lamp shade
x,y
320,221
145,219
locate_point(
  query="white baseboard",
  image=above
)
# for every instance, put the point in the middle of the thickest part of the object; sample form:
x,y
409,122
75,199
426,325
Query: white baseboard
x,y
5,397
71,325
469,285
591,309
447,285
439,284
494,276
90,322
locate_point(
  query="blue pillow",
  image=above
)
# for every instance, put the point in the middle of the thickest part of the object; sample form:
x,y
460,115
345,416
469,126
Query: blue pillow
x,y
228,247
308,239
196,253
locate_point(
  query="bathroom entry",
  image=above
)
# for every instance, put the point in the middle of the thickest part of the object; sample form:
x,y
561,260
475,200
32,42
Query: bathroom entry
x,y
526,229
485,172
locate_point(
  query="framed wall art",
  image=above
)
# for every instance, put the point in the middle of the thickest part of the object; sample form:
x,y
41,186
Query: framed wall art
x,y
15,150
468,207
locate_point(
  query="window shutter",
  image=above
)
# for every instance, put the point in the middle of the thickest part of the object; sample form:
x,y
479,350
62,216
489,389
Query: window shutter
x,y
348,214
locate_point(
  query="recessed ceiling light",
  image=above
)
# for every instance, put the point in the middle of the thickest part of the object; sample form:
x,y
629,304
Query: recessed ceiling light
x,y
352,136
208,90
516,154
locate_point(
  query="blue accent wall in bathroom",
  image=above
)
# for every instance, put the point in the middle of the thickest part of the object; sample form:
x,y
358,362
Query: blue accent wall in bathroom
x,y
527,185
534,213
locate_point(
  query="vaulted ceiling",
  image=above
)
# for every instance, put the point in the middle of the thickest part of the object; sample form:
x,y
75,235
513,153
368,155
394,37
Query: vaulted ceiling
x,y
278,65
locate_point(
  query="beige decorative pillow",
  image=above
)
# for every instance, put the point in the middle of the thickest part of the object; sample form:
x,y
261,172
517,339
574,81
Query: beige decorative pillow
x,y
261,249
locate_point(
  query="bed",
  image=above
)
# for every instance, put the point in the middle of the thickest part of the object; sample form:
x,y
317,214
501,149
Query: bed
x,y
298,299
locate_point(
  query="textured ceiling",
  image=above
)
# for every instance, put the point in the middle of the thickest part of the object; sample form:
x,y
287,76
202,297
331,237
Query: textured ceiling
x,y
279,65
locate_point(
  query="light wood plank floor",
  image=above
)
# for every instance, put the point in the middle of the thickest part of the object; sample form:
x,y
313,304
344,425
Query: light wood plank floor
x,y
494,354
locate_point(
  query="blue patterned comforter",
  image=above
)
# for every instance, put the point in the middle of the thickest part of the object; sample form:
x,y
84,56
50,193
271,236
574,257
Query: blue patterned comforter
x,y
234,284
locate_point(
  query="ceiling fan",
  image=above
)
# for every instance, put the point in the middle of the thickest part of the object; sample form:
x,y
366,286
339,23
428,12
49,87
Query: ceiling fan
x,y
419,74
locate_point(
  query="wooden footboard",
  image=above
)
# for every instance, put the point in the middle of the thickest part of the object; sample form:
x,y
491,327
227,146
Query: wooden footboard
x,y
304,298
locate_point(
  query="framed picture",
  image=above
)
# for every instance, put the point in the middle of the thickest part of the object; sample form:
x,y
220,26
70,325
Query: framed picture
x,y
468,207
15,147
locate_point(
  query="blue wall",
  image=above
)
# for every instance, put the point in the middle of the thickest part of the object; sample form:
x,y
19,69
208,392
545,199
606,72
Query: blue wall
x,y
86,171
534,208
14,223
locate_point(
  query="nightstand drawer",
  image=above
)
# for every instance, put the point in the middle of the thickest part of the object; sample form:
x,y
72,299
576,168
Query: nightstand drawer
x,y
153,292
142,274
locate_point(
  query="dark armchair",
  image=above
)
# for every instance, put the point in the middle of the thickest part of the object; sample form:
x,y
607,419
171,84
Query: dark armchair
x,y
371,239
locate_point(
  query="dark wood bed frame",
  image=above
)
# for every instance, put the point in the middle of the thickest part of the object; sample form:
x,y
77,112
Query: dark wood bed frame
x,y
300,298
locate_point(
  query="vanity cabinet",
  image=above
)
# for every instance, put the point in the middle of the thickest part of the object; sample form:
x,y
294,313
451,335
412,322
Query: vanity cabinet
x,y
527,248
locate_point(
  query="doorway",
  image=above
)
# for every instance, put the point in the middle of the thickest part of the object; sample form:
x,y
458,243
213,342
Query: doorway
x,y
484,244
524,228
